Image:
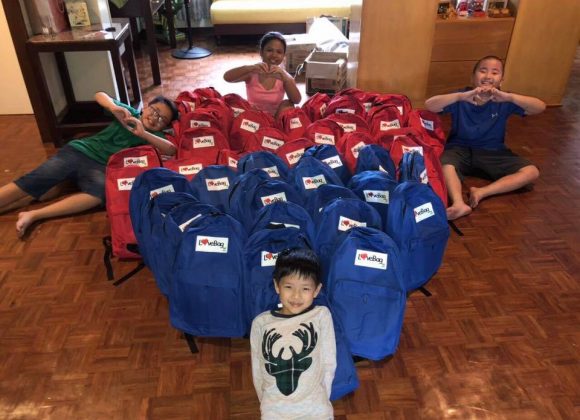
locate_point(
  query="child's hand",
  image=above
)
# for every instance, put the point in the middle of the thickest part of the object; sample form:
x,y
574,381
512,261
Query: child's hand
x,y
478,96
121,114
135,125
500,96
261,67
278,72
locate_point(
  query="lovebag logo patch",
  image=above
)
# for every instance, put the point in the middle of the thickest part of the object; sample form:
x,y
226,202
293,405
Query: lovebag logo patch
x,y
294,156
389,125
211,244
154,193
139,161
344,223
271,143
427,124
204,141
125,184
371,259
217,184
272,171
272,198
376,196
250,126
295,123
423,212
313,182
199,123
321,138
190,169
268,259
333,161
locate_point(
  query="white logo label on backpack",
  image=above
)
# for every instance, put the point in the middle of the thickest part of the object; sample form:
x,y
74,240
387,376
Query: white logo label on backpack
x,y
333,161
184,225
412,149
389,125
211,244
313,182
368,106
423,177
125,184
232,162
322,108
344,223
321,138
423,212
154,193
287,225
199,123
294,156
217,184
376,196
427,124
250,126
295,123
400,108
269,199
268,259
190,169
356,148
371,259
271,143
344,111
272,171
237,111
140,161
204,141
347,127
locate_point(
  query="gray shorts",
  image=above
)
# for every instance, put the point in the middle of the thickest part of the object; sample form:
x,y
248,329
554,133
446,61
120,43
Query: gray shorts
x,y
494,164
68,164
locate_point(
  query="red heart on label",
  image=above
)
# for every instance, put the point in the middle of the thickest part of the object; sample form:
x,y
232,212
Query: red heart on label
x,y
364,256
204,241
267,201
268,256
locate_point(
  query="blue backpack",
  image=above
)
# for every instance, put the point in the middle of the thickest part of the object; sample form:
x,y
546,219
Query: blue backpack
x,y
375,188
412,168
336,219
207,292
158,209
239,197
310,173
324,195
266,193
286,214
329,154
365,289
373,157
147,186
212,185
168,238
418,224
345,376
273,165
260,255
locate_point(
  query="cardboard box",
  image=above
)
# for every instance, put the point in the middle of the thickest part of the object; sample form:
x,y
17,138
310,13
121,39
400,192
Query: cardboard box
x,y
325,71
298,47
341,23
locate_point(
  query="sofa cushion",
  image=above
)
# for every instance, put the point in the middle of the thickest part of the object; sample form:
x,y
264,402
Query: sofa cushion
x,y
225,12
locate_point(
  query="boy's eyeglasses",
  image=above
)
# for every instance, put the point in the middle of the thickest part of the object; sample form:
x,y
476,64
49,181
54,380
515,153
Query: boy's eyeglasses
x,y
160,118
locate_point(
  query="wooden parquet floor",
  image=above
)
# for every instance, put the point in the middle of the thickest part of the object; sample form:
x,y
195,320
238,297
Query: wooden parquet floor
x,y
499,338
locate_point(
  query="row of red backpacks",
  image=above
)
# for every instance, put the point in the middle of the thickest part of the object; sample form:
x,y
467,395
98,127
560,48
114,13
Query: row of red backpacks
x,y
215,129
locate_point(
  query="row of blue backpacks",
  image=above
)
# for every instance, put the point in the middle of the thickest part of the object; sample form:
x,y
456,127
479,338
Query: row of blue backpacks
x,y
211,244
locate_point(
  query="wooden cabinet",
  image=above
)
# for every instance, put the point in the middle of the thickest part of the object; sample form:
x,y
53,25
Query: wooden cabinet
x,y
458,44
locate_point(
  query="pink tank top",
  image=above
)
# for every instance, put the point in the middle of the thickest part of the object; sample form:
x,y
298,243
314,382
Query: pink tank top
x,y
264,99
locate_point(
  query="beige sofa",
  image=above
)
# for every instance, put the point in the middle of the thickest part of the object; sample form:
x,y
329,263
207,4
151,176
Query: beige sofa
x,y
255,17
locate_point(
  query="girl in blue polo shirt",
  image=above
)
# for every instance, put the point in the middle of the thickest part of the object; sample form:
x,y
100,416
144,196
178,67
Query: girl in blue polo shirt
x,y
476,140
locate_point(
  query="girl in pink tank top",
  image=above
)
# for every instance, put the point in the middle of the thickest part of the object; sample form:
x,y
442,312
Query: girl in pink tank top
x,y
267,82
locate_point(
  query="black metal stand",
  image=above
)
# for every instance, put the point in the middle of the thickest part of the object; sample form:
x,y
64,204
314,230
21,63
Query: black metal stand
x,y
191,53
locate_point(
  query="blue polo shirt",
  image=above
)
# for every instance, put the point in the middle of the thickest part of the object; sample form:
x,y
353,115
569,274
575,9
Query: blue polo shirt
x,y
479,126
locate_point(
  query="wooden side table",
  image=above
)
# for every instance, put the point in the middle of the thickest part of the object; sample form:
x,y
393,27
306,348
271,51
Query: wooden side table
x,y
83,116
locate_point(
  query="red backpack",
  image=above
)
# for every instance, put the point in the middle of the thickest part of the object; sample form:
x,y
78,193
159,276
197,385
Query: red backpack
x,y
428,123
350,122
187,102
324,132
388,136
219,109
229,158
366,99
292,151
200,118
122,169
344,104
316,105
202,143
268,139
350,144
207,93
293,122
246,125
384,118
236,103
402,103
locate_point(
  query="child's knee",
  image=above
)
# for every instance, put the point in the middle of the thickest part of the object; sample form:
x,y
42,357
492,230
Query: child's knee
x,y
532,172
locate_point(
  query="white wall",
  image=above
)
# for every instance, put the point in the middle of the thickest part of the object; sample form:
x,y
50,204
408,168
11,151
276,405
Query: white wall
x,y
13,95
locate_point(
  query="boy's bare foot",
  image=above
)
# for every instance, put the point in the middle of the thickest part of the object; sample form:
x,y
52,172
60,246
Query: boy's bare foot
x,y
475,196
458,210
25,219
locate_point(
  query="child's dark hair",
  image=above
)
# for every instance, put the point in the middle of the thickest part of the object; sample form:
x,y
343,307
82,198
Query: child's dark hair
x,y
487,57
299,261
163,100
269,37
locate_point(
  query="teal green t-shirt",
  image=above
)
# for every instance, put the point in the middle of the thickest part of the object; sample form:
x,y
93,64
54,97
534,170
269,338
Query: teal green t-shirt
x,y
112,139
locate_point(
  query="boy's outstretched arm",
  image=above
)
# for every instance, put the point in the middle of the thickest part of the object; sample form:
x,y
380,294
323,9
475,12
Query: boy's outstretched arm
x,y
438,102
530,104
